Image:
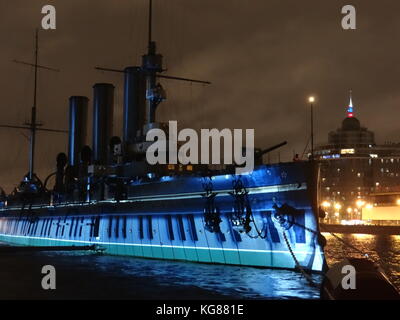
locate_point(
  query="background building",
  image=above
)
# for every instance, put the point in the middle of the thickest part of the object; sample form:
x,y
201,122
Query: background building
x,y
354,169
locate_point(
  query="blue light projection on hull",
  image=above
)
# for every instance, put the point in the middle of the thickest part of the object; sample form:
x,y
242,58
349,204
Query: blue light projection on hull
x,y
165,220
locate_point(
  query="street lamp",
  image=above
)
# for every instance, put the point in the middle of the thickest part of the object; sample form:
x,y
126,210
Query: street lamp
x,y
360,203
349,210
326,204
311,100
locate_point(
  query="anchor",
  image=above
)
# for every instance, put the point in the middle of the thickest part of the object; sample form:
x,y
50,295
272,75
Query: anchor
x,y
241,215
211,212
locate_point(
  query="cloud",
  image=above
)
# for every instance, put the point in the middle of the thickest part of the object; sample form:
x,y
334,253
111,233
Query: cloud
x,y
263,57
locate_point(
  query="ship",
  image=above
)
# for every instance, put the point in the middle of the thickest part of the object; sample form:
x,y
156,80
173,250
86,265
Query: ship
x,y
108,196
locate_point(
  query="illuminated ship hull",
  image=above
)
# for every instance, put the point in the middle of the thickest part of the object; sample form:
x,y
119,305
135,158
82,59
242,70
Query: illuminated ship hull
x,y
167,218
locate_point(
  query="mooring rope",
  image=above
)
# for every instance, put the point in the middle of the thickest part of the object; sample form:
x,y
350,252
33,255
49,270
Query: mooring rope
x,y
318,233
366,255
350,245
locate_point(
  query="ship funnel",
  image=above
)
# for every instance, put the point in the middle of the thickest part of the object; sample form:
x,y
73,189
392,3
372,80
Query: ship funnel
x,y
134,104
103,109
78,110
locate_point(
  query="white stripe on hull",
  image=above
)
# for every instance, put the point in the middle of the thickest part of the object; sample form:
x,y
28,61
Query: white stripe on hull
x,y
180,196
152,245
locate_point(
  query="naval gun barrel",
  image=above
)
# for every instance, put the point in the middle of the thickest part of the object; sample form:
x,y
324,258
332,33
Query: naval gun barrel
x,y
260,153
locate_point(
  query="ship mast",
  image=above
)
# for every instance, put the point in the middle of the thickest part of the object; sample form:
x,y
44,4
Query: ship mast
x,y
151,65
150,20
33,126
151,68
33,114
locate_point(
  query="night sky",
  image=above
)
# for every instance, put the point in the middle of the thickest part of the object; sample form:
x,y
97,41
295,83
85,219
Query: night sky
x,y
263,57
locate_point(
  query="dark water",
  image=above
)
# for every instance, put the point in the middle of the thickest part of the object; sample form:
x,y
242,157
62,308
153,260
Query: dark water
x,y
384,249
93,276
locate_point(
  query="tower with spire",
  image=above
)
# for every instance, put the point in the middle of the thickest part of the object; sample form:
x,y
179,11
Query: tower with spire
x,y
352,166
351,133
350,112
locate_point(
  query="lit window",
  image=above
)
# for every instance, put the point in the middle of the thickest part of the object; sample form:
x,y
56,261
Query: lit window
x,y
347,151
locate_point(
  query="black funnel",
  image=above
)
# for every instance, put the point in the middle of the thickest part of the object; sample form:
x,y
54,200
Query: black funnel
x,y
78,110
103,109
134,103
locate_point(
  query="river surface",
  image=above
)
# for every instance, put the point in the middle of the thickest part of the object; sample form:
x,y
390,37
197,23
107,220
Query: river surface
x,y
94,276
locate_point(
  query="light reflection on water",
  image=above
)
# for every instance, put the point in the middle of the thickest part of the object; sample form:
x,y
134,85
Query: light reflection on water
x,y
382,248
83,276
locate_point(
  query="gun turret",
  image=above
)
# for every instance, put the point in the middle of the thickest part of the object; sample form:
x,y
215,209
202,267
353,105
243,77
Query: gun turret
x,y
259,153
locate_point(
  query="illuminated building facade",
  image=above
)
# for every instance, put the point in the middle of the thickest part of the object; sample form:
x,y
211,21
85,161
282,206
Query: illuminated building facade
x,y
354,168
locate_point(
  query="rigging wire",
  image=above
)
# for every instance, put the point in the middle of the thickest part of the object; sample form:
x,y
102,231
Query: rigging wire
x,y
305,148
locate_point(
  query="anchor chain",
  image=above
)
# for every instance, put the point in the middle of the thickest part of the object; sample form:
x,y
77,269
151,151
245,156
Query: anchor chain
x,y
211,212
285,217
298,266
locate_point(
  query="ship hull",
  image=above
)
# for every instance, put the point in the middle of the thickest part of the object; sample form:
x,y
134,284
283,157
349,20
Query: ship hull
x,y
165,219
